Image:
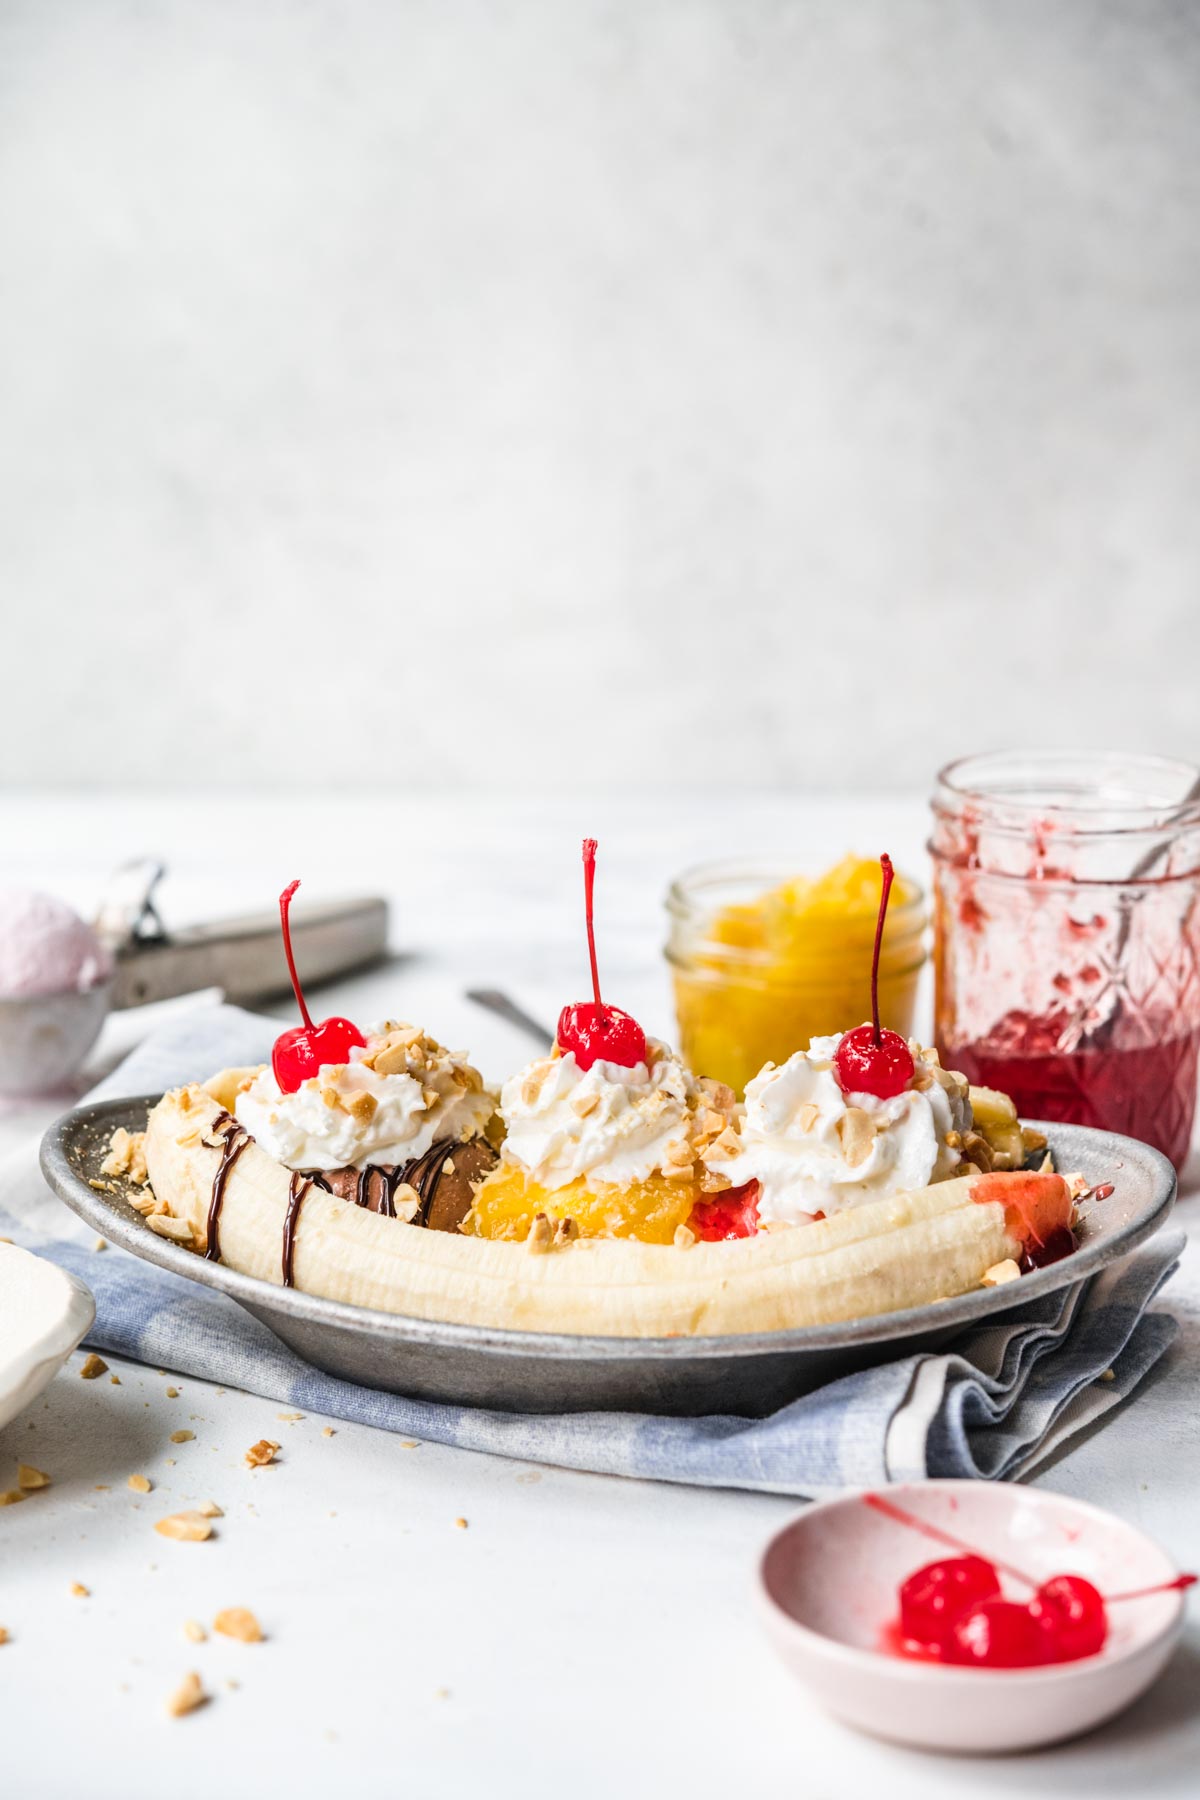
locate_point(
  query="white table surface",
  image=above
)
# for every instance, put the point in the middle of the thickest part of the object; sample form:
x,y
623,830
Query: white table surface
x,y
584,1635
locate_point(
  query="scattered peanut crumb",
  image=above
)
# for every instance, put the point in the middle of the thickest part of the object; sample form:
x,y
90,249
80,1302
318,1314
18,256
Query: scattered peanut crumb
x,y
11,1496
186,1527
260,1454
233,1684
80,1592
187,1696
240,1623
126,1155
141,1484
684,1238
3,1635
541,1235
172,1393
1109,1375
327,1431
209,1509
116,1380
409,1444
461,1523
93,1365
182,1437
100,1244
101,1487
1001,1272
194,1631
30,1478
289,1418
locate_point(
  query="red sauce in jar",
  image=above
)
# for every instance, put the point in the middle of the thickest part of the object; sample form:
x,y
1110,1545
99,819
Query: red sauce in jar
x,y
1145,1092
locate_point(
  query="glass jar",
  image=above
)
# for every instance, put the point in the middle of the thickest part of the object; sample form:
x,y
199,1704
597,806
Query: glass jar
x,y
1067,936
758,969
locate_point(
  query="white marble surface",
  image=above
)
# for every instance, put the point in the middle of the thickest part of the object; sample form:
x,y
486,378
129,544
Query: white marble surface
x,y
583,1634
688,369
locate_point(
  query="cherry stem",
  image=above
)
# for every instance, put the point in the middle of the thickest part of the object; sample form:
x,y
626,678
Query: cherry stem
x,y
891,1511
285,901
1160,1587
889,874
589,884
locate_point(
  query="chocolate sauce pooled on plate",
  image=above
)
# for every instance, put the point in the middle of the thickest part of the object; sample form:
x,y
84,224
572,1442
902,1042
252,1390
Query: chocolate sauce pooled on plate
x,y
233,1139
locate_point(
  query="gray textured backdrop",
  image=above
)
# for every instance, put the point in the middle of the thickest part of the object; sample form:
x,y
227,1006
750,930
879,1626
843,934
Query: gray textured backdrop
x,y
712,392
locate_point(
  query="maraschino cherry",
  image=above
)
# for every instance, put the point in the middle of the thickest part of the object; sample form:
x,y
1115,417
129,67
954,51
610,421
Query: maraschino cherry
x,y
954,1611
868,1060
593,1031
300,1052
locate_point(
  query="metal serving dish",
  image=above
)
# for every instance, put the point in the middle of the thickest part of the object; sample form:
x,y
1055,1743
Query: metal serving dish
x,y
527,1371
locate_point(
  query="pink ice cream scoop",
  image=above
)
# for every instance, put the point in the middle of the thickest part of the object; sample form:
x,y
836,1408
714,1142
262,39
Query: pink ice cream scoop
x,y
55,984
45,948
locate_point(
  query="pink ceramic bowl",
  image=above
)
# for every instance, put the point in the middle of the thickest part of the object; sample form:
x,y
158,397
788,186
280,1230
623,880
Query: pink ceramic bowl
x,y
829,1580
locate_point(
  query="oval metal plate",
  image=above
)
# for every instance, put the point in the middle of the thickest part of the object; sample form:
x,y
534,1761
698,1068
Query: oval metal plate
x,y
525,1371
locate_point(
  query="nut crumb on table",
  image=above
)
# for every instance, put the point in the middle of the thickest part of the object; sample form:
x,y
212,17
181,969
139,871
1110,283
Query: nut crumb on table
x,y
30,1478
240,1623
187,1696
141,1484
262,1453
185,1527
92,1366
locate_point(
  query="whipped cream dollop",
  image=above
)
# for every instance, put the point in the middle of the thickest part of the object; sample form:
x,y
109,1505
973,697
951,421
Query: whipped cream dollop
x,y
390,1103
607,1123
815,1149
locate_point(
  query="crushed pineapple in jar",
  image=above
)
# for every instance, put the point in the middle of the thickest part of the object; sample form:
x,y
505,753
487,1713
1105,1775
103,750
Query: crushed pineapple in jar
x,y
764,960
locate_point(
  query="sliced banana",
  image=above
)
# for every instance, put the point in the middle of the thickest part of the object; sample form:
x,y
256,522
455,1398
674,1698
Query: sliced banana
x,y
906,1250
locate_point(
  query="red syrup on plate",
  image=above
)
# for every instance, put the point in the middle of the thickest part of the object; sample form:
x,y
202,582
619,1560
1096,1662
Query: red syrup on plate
x,y
955,1611
1145,1092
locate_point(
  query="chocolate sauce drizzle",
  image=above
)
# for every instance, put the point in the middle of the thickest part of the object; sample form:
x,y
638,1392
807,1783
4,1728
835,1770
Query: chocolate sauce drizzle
x,y
297,1189
232,1140
424,1175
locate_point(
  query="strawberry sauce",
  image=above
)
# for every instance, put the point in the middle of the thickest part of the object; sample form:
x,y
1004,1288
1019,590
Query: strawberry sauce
x,y
1147,1092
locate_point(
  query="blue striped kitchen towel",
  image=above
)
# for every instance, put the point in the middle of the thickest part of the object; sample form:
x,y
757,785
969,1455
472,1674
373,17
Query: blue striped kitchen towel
x,y
993,1406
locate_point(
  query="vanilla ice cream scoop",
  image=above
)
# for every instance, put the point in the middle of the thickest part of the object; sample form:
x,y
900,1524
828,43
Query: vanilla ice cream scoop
x,y
55,987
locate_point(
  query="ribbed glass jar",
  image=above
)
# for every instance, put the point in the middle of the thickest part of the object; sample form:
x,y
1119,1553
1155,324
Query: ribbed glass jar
x,y
1067,936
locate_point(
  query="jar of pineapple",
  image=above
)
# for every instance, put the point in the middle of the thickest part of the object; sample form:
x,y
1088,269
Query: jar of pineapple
x,y
762,959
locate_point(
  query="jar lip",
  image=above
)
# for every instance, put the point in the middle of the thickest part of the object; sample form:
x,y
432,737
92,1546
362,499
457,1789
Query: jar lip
x,y
744,964
769,871
1070,788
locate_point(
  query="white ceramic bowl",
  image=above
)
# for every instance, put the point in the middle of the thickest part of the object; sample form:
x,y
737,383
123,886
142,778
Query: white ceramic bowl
x,y
829,1581
44,1314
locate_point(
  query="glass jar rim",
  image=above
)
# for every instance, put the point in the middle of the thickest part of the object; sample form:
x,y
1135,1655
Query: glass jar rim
x,y
769,872
1147,816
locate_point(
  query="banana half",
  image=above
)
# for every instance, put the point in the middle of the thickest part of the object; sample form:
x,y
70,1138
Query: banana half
x,y
903,1251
